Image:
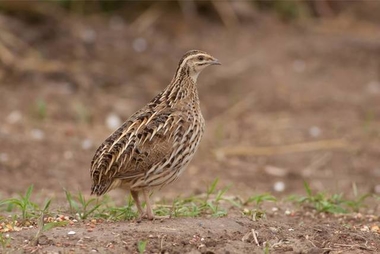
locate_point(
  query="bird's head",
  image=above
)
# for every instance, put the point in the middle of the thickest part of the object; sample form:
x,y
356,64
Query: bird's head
x,y
194,61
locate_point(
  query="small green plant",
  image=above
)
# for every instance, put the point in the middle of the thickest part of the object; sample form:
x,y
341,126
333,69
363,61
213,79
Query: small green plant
x,y
255,214
109,212
266,249
141,246
180,207
208,204
82,207
259,199
321,202
335,203
358,201
28,208
41,109
43,227
213,204
5,240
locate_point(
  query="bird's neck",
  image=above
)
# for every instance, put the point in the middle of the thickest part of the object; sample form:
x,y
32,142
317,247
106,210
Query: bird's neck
x,y
183,86
186,70
181,91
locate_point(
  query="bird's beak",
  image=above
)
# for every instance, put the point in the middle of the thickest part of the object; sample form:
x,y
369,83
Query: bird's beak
x,y
216,62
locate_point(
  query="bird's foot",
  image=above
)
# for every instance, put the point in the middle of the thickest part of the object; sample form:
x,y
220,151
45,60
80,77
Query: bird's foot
x,y
146,216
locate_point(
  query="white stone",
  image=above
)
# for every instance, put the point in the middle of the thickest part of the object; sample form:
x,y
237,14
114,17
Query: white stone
x,y
87,144
279,186
14,117
71,233
315,131
113,121
37,134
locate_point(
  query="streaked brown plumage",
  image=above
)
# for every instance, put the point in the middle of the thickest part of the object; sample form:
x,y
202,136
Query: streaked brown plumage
x,y
154,146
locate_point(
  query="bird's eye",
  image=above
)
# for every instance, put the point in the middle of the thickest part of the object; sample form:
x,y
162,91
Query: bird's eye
x,y
200,58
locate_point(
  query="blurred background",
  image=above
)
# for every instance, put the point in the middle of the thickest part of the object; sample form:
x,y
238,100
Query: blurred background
x,y
297,97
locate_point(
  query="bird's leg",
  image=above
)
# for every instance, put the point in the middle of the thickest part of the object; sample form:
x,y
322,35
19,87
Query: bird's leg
x,y
149,210
135,196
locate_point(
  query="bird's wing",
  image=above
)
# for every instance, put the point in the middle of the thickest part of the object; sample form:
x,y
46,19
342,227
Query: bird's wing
x,y
144,140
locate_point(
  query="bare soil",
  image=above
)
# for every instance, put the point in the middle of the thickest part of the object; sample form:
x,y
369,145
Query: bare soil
x,y
290,103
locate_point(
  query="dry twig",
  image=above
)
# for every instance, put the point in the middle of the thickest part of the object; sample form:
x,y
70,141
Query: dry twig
x,y
284,149
254,233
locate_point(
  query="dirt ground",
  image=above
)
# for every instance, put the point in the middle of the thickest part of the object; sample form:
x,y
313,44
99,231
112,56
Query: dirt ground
x,y
290,103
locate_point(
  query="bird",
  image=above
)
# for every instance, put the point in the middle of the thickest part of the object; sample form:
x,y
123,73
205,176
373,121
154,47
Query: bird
x,y
155,145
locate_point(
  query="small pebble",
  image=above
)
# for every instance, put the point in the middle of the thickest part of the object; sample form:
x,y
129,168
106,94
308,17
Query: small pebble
x,y
279,186
375,229
88,36
113,121
43,240
315,131
87,144
14,117
71,233
201,246
273,229
37,134
139,45
364,228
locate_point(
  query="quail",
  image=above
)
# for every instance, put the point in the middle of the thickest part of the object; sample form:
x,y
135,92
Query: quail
x,y
155,145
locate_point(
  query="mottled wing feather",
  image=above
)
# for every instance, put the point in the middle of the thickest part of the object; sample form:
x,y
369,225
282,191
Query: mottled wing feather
x,y
144,140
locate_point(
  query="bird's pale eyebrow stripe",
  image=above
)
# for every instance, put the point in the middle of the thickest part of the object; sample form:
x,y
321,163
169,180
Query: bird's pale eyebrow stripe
x,y
184,61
